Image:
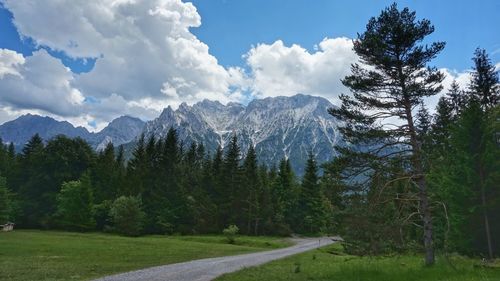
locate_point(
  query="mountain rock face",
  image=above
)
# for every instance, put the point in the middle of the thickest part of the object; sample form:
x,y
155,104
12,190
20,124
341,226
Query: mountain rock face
x,y
278,127
121,130
20,130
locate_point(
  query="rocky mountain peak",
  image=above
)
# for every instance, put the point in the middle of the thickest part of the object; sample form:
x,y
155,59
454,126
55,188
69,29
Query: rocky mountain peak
x,y
278,127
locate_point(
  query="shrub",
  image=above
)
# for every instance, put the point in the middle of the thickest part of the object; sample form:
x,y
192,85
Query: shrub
x,y
101,214
127,215
74,205
230,233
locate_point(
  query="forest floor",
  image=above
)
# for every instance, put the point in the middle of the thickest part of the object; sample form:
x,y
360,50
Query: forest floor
x,y
52,255
331,263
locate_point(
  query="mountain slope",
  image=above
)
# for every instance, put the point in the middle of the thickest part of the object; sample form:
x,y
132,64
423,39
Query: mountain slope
x,y
20,130
121,130
278,127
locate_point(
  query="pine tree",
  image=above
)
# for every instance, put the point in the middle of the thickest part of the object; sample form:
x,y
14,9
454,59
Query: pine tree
x,y
264,225
31,182
213,179
172,193
136,168
284,198
232,205
252,192
423,128
443,120
121,185
197,199
423,121
65,160
484,89
457,99
105,175
491,174
11,151
395,84
484,86
311,200
473,172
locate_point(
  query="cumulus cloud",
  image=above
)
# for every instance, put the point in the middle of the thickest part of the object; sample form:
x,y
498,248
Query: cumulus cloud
x,y
279,70
146,58
145,55
38,82
10,62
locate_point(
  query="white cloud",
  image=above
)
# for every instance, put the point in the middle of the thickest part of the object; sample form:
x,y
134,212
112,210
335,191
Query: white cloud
x,y
145,55
10,62
40,82
7,114
147,58
279,70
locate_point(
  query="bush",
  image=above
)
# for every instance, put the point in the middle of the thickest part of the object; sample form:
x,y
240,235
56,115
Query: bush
x,y
101,214
127,215
74,205
230,233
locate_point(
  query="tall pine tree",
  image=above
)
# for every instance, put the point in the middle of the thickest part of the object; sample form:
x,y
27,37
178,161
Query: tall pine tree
x,y
484,86
311,203
391,88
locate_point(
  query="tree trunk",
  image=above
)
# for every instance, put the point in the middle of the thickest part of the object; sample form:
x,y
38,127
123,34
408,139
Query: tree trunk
x,y
425,211
419,177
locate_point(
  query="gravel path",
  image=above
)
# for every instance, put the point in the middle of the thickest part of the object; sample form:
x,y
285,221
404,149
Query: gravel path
x,y
208,269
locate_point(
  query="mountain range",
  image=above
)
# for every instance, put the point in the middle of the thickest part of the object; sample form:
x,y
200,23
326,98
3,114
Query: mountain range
x,y
278,127
120,131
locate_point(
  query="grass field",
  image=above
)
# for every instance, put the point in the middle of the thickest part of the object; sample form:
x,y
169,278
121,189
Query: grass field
x,y
331,264
49,255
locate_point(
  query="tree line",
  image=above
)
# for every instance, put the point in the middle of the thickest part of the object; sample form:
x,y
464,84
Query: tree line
x,y
164,188
409,180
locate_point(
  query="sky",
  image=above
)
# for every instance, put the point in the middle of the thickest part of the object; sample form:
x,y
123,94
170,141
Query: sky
x,y
89,62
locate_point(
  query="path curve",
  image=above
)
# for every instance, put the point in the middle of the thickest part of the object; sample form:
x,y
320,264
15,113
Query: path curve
x,y
208,269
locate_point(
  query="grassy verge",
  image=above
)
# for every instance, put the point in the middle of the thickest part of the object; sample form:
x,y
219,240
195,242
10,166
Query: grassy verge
x,y
330,263
49,255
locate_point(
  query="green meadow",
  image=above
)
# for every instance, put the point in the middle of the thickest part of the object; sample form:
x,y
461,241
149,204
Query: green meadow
x,y
331,264
50,255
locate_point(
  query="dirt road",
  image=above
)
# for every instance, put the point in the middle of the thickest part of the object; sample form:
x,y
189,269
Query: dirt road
x,y
208,269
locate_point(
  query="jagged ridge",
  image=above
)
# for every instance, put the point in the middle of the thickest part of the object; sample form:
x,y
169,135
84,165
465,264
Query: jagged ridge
x,y
278,127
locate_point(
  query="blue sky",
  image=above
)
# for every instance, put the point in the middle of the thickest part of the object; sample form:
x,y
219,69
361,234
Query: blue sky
x,y
230,28
175,52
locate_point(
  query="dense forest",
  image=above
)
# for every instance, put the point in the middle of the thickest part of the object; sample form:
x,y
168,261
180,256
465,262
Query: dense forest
x,y
164,188
420,183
